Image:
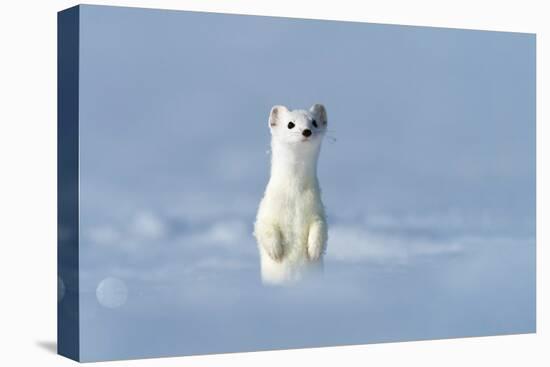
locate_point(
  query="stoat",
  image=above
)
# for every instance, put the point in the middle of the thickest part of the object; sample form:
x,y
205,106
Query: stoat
x,y
291,228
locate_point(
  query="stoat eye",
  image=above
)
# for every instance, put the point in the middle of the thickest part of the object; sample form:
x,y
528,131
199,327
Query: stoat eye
x,y
314,123
291,125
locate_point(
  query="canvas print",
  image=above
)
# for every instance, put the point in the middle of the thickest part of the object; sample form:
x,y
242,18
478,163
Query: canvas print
x,y
234,183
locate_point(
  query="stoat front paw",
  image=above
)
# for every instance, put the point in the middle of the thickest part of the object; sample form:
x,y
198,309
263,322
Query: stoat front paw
x,y
275,251
314,252
317,240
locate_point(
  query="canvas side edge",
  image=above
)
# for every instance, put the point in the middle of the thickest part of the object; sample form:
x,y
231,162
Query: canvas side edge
x,y
68,330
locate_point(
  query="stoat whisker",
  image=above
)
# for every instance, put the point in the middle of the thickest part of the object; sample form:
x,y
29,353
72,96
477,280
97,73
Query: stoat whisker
x,y
331,139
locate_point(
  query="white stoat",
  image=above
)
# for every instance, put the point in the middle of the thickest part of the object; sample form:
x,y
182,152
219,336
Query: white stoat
x,y
291,227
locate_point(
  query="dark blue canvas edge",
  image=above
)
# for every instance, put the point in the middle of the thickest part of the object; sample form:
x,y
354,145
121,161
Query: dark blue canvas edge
x,y
68,336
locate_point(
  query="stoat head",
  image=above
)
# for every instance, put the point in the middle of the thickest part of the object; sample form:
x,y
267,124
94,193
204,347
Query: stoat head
x,y
298,127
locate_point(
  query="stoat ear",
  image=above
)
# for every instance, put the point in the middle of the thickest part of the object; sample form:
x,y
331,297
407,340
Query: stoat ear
x,y
276,114
320,113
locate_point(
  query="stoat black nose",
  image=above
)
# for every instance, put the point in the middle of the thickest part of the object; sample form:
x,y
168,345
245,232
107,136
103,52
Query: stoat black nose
x,y
306,132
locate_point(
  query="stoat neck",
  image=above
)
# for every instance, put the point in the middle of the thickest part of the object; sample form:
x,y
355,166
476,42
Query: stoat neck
x,y
294,165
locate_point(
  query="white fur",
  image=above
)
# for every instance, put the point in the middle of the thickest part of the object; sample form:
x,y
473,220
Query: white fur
x,y
291,227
